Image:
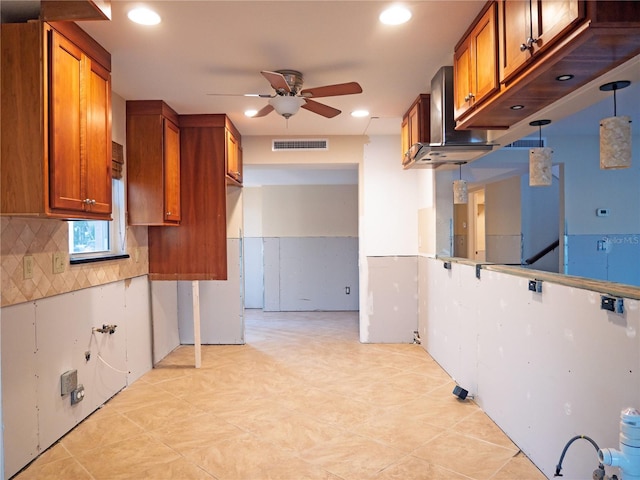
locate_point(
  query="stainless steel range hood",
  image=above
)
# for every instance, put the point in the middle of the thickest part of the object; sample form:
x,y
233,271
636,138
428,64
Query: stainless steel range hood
x,y
447,144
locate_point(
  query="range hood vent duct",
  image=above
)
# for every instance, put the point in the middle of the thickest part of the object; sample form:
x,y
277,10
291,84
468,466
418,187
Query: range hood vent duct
x,y
447,145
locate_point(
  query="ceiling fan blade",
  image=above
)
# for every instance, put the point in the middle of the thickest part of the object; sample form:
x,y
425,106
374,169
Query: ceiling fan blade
x,y
264,111
276,80
320,108
261,95
349,88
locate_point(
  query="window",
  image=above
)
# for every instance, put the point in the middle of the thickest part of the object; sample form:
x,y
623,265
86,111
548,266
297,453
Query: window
x,y
99,238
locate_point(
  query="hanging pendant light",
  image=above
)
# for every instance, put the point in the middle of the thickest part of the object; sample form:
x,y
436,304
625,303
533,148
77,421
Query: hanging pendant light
x,y
460,191
615,133
540,160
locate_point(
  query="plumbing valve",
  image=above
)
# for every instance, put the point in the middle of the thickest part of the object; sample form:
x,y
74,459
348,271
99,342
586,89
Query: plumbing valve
x,y
628,457
110,329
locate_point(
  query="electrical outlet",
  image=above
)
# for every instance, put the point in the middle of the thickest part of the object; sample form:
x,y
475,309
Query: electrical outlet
x,y
27,267
77,395
58,262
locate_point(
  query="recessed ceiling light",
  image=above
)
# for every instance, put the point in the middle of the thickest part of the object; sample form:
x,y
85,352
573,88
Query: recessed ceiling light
x,y
516,107
564,78
360,113
250,113
144,16
395,15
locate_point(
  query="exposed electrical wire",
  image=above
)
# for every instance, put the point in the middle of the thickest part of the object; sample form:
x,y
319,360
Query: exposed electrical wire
x,y
111,366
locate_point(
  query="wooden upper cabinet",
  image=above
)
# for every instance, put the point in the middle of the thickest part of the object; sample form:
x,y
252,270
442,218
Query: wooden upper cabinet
x,y
415,126
233,157
56,122
153,164
197,249
475,63
529,28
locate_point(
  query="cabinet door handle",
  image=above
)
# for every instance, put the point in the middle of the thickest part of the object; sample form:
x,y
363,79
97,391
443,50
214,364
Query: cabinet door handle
x,y
168,214
528,45
93,201
469,97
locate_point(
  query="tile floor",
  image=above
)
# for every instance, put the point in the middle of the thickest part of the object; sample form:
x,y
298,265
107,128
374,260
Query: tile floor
x,y
303,399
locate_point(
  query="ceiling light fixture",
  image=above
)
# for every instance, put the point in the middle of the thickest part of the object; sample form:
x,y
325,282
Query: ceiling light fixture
x,y
395,15
615,133
540,160
144,16
460,190
360,113
250,113
516,107
564,78
286,105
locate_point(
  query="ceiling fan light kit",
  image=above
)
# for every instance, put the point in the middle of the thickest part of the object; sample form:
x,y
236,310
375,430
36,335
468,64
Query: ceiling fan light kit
x,y
286,105
288,96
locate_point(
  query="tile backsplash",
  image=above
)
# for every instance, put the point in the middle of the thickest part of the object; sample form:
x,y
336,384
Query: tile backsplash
x,y
41,238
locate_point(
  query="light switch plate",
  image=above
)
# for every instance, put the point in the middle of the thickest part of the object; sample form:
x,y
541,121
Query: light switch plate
x,y
58,262
27,267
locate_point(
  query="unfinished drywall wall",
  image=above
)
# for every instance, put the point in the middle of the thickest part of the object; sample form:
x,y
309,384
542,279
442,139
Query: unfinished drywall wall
x,y
164,311
221,305
540,364
303,250
43,339
388,243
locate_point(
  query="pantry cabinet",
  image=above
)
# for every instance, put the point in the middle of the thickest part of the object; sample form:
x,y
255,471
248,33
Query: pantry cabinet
x,y
153,163
475,63
529,28
416,126
56,122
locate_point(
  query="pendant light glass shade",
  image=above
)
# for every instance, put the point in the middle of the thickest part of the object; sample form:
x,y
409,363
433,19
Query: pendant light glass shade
x,y
460,192
540,160
540,167
615,133
615,142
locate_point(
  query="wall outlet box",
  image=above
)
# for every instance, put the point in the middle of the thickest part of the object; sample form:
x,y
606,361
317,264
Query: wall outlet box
x,y
68,382
602,212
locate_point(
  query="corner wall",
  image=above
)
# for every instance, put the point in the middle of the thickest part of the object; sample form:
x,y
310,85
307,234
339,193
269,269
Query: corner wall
x,y
388,244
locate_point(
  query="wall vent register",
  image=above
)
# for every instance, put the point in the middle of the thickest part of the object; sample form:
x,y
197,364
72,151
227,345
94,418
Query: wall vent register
x,y
297,145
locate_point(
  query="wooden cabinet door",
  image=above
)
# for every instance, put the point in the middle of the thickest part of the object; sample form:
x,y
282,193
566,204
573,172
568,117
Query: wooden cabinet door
x,y
404,138
66,124
462,79
97,158
475,64
484,57
554,18
516,22
171,171
233,165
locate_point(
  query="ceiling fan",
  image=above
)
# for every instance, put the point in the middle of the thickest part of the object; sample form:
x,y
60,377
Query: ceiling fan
x,y
289,96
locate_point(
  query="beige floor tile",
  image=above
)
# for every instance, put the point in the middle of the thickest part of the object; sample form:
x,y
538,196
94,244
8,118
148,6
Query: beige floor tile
x,y
520,468
352,456
128,458
64,469
465,455
179,469
163,413
412,468
100,429
479,426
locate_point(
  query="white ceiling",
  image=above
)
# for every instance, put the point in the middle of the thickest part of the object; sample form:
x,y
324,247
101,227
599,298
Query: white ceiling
x,y
220,47
204,47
